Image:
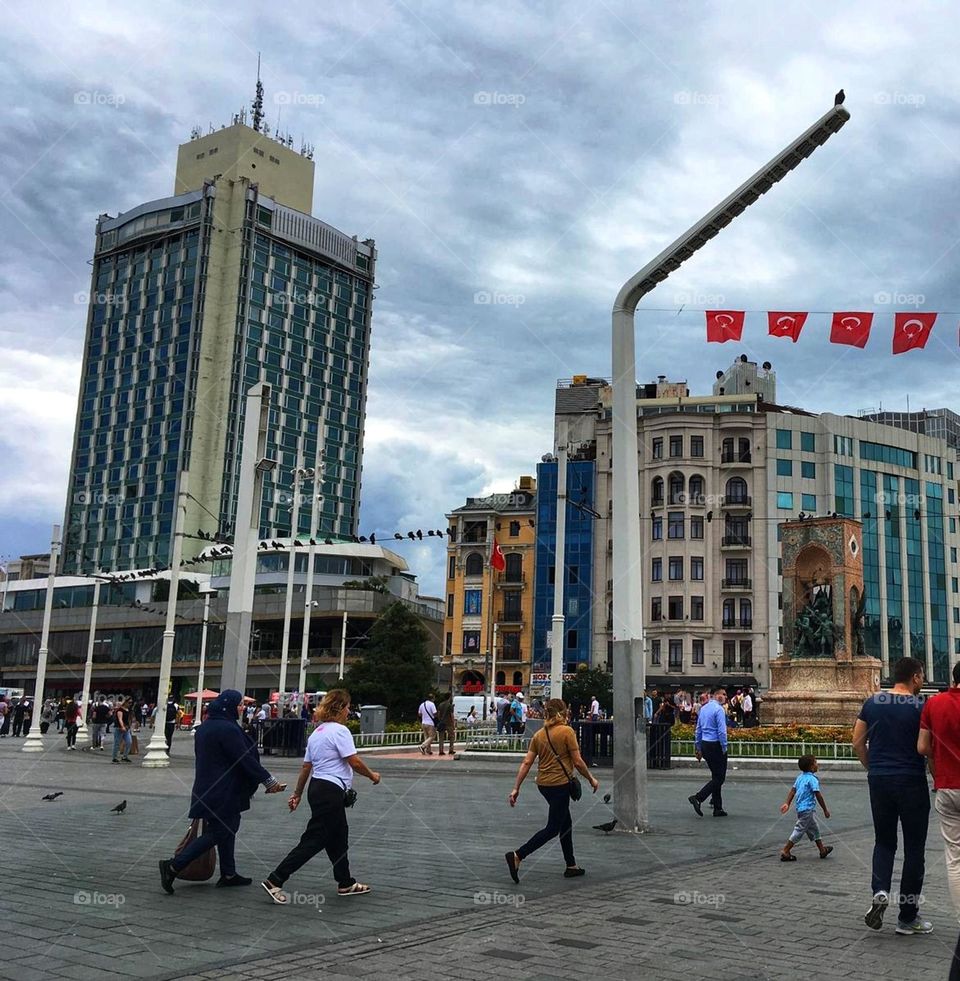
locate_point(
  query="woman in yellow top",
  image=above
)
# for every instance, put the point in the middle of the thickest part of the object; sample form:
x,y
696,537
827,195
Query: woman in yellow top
x,y
557,754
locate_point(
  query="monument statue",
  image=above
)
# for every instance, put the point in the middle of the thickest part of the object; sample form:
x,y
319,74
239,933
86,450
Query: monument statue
x,y
816,633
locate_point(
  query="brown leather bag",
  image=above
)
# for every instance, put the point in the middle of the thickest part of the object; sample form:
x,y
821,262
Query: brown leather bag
x,y
202,868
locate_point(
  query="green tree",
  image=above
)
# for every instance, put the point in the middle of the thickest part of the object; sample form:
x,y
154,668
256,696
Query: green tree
x,y
587,683
395,669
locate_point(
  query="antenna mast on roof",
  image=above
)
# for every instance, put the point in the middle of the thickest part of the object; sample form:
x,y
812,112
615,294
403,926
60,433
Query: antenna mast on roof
x,y
258,101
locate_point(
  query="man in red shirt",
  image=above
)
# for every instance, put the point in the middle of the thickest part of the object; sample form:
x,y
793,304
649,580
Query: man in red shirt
x,y
939,741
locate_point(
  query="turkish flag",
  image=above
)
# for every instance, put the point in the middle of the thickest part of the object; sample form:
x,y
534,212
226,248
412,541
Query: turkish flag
x,y
786,324
851,328
911,330
724,325
496,558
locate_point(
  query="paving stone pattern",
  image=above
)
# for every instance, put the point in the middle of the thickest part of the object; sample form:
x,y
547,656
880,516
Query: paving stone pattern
x,y
697,898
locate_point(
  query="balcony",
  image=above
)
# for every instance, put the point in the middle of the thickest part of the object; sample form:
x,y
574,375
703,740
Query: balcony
x,y
735,459
512,579
737,625
735,541
675,667
509,657
510,616
736,501
738,583
745,664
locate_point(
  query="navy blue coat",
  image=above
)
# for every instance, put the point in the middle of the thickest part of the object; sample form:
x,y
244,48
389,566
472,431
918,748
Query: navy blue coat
x,y
228,770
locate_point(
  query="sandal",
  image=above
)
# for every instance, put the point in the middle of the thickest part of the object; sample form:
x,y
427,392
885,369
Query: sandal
x,y
276,893
356,889
787,858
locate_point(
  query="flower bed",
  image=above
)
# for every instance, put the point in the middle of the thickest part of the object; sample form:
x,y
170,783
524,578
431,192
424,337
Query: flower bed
x,y
777,734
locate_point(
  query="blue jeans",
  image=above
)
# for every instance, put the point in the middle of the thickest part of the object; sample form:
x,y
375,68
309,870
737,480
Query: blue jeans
x,y
121,737
220,833
904,800
559,822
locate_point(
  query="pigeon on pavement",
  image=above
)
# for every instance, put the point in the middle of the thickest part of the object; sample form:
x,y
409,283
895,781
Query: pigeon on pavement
x,y
59,793
120,808
607,827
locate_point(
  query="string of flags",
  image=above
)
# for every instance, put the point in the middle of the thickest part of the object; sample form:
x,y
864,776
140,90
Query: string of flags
x,y
911,331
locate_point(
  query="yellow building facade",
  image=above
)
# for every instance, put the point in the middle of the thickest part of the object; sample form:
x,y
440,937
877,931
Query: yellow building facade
x,y
488,628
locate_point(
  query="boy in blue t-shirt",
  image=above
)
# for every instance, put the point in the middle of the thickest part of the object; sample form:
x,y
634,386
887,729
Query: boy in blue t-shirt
x,y
806,792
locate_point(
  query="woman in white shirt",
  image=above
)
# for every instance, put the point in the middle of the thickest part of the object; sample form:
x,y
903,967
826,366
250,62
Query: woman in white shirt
x,y
330,762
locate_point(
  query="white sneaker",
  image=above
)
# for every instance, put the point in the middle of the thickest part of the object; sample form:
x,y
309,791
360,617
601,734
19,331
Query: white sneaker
x,y
917,926
874,916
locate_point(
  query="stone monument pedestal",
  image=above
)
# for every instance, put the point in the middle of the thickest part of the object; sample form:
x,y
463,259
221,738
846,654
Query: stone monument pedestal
x,y
818,692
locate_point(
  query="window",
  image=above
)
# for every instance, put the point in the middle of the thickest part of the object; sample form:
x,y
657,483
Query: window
x,y
949,470
808,469
696,568
656,448
736,571
743,452
677,485
656,491
729,655
474,565
883,453
954,585
656,570
471,641
809,502
953,526
514,529
696,495
746,655
676,446
843,445
746,613
449,604
654,651
953,553
452,567
675,608
448,644
843,486
656,609
696,446
473,602
697,651
696,527
674,524
696,607
656,528
573,574
726,450
784,467
571,639
808,442
956,614
513,569
736,491
785,500
675,568
951,497
784,439
675,653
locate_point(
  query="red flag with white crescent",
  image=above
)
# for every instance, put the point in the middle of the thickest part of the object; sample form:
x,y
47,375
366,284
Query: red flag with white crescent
x,y
851,327
724,325
497,560
911,330
786,324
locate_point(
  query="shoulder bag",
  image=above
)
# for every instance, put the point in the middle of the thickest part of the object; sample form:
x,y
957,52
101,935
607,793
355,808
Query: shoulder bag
x,y
202,868
573,783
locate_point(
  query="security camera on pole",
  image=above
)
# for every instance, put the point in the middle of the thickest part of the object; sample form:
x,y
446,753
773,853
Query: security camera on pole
x,y
629,658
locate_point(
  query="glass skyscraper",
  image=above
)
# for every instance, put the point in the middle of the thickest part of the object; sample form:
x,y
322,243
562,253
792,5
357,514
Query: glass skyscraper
x,y
194,299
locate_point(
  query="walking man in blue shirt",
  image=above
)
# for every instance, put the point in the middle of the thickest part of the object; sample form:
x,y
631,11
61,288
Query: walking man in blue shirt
x,y
710,742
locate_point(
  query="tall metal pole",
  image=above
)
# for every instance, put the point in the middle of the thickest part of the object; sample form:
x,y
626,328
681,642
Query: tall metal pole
x,y
198,715
156,755
243,569
298,475
629,665
34,741
314,526
343,645
557,623
88,667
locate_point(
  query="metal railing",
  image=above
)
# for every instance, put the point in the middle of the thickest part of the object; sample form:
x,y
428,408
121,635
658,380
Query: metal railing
x,y
772,750
736,583
731,540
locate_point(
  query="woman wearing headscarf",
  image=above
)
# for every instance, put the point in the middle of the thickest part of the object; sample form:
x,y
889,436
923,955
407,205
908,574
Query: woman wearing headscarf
x,y
228,772
557,753
330,763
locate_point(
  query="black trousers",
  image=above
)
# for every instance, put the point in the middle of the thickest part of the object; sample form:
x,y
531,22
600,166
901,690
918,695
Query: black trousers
x,y
717,761
559,822
168,730
327,830
222,834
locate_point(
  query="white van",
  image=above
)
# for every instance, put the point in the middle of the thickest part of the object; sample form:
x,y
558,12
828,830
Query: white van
x,y
463,703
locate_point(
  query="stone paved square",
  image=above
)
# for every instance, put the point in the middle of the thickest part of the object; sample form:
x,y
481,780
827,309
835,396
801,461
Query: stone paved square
x,y
696,898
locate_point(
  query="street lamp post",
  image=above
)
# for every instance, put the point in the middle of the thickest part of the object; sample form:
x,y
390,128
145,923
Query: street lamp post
x,y
559,570
208,592
343,645
299,474
629,665
254,464
34,741
88,667
156,755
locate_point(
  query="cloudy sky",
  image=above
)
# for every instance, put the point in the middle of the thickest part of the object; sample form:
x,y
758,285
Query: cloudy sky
x,y
533,155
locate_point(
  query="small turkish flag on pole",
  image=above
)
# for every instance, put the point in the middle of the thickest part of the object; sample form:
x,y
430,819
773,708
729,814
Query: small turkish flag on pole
x,y
497,561
786,324
911,330
724,325
851,328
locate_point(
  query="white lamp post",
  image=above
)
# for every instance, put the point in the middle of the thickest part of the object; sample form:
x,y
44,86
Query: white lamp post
x,y
629,665
299,475
558,621
343,645
88,667
156,755
208,592
34,741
